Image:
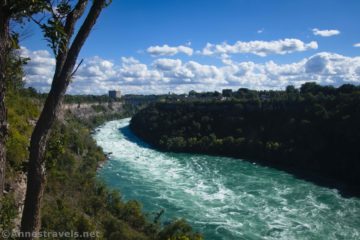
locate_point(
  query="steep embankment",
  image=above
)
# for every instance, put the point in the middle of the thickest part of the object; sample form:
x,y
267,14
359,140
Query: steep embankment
x,y
74,199
22,114
313,135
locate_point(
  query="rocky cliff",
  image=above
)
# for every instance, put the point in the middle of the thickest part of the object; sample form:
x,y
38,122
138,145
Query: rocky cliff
x,y
88,110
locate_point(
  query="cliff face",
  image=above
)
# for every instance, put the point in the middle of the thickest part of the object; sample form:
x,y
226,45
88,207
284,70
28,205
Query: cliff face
x,y
88,110
22,121
311,135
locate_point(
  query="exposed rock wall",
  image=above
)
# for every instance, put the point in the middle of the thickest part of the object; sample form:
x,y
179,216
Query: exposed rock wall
x,y
87,110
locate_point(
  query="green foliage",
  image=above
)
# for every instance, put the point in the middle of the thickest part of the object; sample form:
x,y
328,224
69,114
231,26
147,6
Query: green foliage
x,y
99,108
21,10
14,72
22,113
54,26
22,110
54,34
75,199
87,99
8,212
315,128
178,230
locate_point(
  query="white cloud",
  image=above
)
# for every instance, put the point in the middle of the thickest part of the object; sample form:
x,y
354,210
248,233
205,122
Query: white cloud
x,y
325,33
134,72
167,64
357,45
97,75
334,67
260,31
260,48
39,71
166,50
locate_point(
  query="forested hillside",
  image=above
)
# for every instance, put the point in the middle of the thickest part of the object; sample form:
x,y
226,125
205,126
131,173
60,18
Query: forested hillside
x,y
74,199
312,129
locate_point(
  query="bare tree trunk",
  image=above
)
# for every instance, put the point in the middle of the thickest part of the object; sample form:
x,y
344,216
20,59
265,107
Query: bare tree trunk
x,y
4,50
30,222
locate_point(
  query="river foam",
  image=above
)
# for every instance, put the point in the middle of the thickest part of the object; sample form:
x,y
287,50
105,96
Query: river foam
x,y
224,198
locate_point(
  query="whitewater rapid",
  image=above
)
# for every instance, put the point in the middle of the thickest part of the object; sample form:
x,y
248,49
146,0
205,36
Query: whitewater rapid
x,y
221,197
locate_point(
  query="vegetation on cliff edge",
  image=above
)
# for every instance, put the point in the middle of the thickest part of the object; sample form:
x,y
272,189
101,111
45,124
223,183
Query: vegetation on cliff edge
x,y
74,199
312,129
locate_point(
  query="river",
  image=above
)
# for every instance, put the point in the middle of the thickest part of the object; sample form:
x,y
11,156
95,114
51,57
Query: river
x,y
224,198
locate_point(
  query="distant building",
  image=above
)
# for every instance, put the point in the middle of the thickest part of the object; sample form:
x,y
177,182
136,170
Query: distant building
x,y
227,92
114,94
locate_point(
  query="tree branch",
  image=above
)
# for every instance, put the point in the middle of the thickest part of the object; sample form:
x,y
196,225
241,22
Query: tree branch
x,y
52,9
71,19
77,67
79,40
73,16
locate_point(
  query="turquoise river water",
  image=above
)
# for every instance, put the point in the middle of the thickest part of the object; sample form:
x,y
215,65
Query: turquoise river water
x,y
221,197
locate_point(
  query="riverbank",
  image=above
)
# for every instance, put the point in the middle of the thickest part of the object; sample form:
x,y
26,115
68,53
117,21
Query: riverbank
x,y
345,189
74,198
225,198
313,136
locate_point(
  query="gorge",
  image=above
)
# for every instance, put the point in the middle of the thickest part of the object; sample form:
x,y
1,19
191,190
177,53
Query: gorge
x,y
224,198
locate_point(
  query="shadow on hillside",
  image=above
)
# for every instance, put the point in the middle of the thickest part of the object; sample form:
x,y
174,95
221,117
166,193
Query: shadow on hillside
x,y
130,136
344,189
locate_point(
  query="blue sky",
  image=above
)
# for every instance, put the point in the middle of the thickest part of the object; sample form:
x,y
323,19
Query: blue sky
x,y
127,28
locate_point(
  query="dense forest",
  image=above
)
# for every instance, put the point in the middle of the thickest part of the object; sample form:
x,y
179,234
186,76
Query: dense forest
x,y
313,129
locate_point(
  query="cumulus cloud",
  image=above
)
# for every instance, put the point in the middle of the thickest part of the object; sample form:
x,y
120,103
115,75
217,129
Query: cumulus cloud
x,y
166,64
134,72
97,75
334,67
166,50
357,45
260,48
39,71
325,33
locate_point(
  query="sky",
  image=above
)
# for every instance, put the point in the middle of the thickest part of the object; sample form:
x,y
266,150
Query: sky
x,y
161,46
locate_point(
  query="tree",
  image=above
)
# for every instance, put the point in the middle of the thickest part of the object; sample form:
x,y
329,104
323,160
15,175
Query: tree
x,y
9,10
310,87
4,48
291,89
347,88
58,31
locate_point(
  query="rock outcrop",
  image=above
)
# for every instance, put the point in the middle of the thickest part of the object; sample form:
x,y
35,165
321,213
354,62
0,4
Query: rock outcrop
x,y
88,110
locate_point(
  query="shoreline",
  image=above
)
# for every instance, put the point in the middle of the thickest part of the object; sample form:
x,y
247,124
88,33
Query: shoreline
x,y
345,190
296,191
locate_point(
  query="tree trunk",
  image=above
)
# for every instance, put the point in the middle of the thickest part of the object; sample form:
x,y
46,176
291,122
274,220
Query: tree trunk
x,y
31,219
4,50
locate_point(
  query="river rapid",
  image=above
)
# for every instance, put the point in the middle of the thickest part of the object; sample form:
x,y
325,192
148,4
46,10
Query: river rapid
x,y
223,198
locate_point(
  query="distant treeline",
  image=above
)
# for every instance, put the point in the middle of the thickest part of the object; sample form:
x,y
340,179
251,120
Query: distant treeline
x,y
87,99
73,98
314,128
